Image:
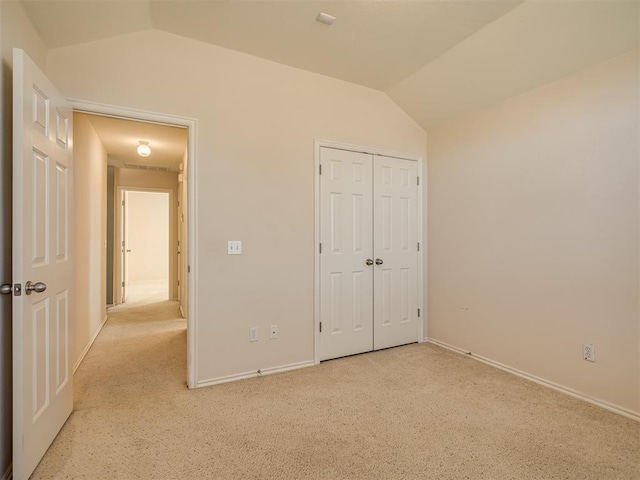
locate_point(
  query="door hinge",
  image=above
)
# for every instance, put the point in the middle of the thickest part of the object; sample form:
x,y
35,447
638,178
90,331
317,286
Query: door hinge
x,y
418,246
320,169
189,269
418,313
418,181
123,203
178,282
320,248
123,243
123,284
320,327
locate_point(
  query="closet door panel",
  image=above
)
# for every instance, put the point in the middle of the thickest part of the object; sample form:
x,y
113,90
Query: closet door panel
x,y
395,227
346,302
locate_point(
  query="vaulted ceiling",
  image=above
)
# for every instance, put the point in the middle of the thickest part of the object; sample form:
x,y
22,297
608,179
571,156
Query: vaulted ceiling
x,y
438,60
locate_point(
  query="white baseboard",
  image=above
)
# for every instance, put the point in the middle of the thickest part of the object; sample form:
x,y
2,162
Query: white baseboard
x,y
264,371
541,381
89,345
8,475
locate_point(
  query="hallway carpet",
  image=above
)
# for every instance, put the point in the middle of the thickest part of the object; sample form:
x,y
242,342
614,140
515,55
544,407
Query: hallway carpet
x,y
414,412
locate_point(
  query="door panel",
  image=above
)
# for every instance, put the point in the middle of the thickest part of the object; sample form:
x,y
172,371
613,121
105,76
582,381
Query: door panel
x,y
42,191
395,282
346,236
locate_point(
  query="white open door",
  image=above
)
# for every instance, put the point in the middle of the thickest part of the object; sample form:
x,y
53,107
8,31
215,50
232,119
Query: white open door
x,y
42,258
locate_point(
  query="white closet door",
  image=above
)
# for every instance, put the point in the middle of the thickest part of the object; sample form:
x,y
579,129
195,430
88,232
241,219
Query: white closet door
x,y
396,252
346,303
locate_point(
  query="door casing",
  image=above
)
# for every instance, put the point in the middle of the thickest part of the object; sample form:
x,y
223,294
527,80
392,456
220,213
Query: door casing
x,y
318,144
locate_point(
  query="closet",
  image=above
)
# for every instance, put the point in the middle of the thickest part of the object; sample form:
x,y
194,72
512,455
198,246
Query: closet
x,y
368,252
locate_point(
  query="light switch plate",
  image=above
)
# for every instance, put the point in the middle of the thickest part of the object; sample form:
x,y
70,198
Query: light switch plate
x,y
234,247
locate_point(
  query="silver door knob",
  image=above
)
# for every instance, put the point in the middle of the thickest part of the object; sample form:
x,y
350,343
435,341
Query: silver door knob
x,y
6,289
369,261
379,261
39,287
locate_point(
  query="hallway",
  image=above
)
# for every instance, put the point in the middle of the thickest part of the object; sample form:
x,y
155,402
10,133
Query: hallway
x,y
139,356
140,351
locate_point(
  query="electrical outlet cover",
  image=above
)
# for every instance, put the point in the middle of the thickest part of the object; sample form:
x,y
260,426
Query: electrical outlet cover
x,y
589,352
253,334
234,247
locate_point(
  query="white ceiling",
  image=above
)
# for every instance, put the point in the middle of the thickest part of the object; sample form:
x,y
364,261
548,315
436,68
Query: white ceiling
x,y
372,43
120,139
437,59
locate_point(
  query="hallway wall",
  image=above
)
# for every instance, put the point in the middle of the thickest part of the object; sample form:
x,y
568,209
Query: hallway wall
x,y
183,230
90,208
111,247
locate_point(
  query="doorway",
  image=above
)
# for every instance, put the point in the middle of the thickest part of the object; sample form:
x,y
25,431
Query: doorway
x,y
170,174
186,206
145,246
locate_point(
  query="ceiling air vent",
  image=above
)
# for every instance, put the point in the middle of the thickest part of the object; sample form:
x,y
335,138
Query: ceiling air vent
x,y
147,167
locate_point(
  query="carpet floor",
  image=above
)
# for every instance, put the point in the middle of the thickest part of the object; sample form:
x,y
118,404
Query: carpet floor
x,y
413,412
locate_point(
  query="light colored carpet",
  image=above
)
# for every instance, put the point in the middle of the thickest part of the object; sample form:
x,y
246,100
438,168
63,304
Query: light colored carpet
x,y
139,294
414,412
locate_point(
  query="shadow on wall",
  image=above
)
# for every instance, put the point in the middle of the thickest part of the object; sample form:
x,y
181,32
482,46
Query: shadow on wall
x,y
6,172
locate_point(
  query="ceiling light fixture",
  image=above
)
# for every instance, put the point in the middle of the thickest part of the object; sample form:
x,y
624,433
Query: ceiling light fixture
x,y
325,18
144,150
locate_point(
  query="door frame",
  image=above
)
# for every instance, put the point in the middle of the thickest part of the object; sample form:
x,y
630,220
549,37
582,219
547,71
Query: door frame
x,y
318,144
173,273
191,124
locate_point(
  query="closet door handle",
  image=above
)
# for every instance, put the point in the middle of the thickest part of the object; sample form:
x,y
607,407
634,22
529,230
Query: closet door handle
x,y
369,262
379,261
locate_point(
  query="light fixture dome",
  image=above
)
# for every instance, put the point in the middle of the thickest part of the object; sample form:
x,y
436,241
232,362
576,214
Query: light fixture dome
x,y
144,150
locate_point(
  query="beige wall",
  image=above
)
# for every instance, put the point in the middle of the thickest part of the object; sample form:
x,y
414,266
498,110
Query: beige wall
x,y
257,121
149,179
90,209
15,31
533,232
148,237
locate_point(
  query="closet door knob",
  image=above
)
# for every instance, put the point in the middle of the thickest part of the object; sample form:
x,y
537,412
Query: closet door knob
x,y
379,261
369,262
